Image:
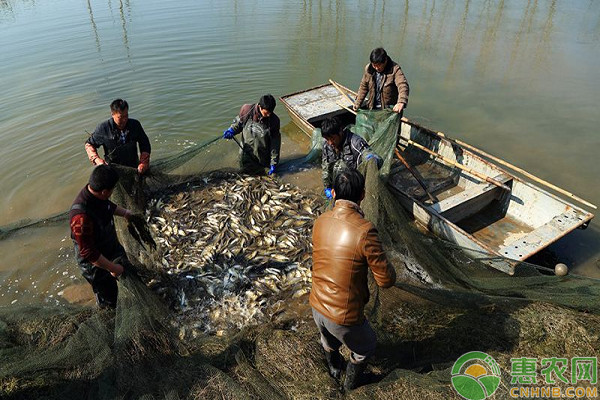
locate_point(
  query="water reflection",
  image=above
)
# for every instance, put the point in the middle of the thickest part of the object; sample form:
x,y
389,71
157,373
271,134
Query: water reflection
x,y
124,15
124,27
483,25
6,10
5,4
468,35
590,23
458,40
404,25
493,22
94,28
542,51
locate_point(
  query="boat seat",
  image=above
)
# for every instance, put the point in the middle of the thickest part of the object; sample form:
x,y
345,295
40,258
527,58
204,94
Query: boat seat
x,y
525,245
470,201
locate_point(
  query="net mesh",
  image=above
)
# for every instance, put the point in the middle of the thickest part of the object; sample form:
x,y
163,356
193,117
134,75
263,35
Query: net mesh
x,y
159,342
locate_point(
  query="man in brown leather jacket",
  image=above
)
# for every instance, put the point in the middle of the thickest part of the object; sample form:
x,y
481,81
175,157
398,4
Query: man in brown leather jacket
x,y
345,247
385,83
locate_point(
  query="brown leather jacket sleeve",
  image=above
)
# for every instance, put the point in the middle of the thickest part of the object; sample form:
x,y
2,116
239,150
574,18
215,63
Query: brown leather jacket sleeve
x,y
383,271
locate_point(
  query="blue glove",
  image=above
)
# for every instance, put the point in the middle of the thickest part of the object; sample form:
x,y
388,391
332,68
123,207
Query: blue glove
x,y
271,170
376,157
228,134
328,193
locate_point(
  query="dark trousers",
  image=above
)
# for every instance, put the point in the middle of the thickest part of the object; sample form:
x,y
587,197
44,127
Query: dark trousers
x,y
103,284
359,339
249,164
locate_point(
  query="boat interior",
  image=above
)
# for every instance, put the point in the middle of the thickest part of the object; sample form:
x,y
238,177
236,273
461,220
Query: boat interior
x,y
514,221
318,104
510,218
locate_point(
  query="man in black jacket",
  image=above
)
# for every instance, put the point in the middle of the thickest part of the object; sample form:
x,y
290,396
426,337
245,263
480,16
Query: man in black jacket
x,y
342,150
119,137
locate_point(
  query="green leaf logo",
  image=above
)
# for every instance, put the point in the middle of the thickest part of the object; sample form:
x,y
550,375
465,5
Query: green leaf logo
x,y
475,375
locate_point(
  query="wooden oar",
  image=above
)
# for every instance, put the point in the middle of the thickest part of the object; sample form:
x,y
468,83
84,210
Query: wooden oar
x,y
345,107
416,175
335,85
460,166
515,168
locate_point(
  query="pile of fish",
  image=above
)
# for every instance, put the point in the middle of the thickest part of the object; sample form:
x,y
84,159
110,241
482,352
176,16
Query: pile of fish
x,y
236,247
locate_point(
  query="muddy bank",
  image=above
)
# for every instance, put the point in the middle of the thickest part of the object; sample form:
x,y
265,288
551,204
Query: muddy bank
x,y
419,341
419,338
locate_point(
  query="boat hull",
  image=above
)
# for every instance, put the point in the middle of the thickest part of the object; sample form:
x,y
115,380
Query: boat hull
x,y
494,215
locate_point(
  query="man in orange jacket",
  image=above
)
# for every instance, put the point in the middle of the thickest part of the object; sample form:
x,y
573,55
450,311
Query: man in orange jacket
x,y
345,247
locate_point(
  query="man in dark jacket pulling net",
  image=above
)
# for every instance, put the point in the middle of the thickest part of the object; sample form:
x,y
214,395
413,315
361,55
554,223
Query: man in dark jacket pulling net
x,y
345,247
120,137
261,139
385,83
342,149
97,248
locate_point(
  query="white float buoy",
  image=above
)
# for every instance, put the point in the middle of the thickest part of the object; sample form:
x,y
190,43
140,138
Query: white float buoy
x,y
561,269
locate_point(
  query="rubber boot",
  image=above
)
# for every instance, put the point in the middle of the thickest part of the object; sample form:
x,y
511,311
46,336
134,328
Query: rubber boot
x,y
334,361
353,375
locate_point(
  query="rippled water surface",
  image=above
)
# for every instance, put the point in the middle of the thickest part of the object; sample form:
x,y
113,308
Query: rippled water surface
x,y
517,78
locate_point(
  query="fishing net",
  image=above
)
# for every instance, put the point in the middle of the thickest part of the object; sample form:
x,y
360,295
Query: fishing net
x,y
218,308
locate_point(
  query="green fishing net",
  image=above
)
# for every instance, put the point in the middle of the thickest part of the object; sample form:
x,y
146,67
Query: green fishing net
x,y
157,344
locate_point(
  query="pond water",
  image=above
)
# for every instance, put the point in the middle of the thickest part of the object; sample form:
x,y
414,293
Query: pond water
x,y
518,79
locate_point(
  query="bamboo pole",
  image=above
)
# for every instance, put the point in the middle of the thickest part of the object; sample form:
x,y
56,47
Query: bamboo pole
x,y
345,107
335,85
416,175
517,169
460,166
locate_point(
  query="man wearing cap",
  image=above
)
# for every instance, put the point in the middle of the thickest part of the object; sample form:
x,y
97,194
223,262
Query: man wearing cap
x,y
385,83
260,139
120,137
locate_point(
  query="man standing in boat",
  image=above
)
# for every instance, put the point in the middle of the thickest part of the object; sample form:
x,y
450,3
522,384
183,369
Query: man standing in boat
x,y
345,247
120,137
261,139
385,83
342,149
